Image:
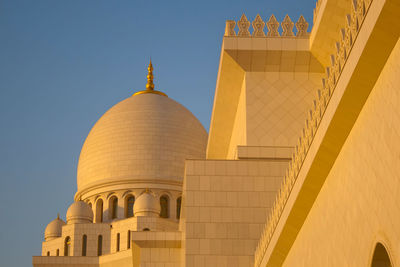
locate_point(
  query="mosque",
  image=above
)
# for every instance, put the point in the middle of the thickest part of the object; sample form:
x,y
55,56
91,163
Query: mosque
x,y
301,165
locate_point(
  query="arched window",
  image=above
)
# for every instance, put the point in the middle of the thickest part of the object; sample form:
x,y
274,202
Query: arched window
x,y
48,253
100,245
164,203
178,207
58,252
381,257
99,211
113,207
128,245
129,202
118,241
67,246
84,244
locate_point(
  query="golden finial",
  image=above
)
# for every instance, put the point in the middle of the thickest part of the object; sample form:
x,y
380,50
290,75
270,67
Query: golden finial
x,y
58,215
150,84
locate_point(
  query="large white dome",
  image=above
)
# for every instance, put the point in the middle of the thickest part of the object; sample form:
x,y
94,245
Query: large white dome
x,y
143,139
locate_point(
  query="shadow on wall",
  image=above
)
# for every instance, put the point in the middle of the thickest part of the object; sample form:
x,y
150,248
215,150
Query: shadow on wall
x,y
381,257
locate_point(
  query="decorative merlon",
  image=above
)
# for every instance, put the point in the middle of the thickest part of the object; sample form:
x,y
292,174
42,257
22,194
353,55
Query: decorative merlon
x,y
258,26
272,24
301,26
243,25
316,10
230,28
314,117
287,27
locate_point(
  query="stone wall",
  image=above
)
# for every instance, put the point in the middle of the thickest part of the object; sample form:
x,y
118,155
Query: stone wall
x,y
225,204
358,205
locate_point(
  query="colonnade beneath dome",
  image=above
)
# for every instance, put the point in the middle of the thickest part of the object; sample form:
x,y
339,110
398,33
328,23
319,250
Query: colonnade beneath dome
x,y
118,205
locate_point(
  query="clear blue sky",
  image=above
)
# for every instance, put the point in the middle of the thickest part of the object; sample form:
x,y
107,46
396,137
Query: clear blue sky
x,y
63,63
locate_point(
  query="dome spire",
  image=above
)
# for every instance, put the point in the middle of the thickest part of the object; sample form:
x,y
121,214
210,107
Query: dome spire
x,y
150,84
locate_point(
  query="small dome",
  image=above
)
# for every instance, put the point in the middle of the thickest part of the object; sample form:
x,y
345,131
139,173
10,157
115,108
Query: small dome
x,y
147,205
53,229
79,212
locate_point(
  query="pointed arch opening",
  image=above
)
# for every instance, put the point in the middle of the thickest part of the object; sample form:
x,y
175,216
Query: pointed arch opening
x,y
100,245
178,207
128,245
129,202
99,211
67,246
164,203
118,242
113,207
381,257
84,245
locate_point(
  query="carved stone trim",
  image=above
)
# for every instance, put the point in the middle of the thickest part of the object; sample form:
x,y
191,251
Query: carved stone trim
x,y
302,26
243,25
258,27
272,26
316,10
348,35
230,28
287,27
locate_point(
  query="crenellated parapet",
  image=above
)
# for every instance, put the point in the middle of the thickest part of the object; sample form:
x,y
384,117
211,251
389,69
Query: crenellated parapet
x,y
316,10
258,25
315,114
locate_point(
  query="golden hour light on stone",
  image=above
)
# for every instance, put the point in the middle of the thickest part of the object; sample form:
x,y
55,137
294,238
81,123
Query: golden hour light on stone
x,y
300,166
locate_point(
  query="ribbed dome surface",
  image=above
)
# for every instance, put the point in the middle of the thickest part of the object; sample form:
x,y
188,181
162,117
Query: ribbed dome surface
x,y
53,229
146,205
144,138
79,212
